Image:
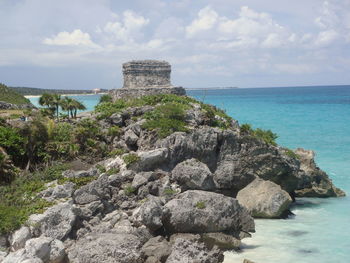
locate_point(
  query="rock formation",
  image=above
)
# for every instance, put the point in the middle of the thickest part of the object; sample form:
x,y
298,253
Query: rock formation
x,y
146,77
183,197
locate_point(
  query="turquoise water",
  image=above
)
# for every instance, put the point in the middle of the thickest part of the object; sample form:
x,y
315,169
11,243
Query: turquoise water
x,y
89,101
315,118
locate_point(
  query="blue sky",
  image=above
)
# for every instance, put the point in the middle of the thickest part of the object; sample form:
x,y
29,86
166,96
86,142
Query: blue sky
x,y
81,44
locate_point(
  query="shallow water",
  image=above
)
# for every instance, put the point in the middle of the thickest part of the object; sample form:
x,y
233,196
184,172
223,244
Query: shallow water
x,y
316,118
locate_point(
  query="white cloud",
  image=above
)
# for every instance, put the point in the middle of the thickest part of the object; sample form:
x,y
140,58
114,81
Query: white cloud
x,y
206,20
126,29
76,38
325,38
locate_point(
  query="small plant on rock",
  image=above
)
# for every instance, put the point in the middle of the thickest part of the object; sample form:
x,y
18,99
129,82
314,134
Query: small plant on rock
x,y
129,190
130,158
200,205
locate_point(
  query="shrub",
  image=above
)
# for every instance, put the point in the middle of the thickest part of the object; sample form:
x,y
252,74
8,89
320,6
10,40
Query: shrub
x,y
246,128
117,152
265,135
101,168
130,158
112,171
129,190
169,191
166,119
114,131
200,205
105,98
292,154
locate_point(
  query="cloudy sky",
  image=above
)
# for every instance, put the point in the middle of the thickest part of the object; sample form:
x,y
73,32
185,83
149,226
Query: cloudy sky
x,y
81,44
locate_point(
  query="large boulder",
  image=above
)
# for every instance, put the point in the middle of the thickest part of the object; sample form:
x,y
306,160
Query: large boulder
x,y
106,248
196,211
19,238
264,199
95,191
193,174
56,191
314,182
150,214
190,251
157,249
229,177
56,222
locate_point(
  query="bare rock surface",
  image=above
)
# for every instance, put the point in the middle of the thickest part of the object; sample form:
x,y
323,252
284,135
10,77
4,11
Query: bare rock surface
x,y
264,199
197,211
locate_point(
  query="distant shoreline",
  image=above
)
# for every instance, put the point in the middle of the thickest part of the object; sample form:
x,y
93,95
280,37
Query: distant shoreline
x,y
81,94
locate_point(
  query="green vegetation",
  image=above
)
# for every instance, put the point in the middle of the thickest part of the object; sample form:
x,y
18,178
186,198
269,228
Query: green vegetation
x,y
114,131
265,135
112,171
130,158
169,191
101,168
292,154
105,98
54,101
129,190
117,152
200,205
166,119
10,96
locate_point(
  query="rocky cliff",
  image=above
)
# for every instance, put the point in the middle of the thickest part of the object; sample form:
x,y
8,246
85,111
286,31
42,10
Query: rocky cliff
x,y
170,193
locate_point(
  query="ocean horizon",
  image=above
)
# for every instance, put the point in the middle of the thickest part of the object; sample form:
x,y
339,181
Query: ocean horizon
x,y
312,117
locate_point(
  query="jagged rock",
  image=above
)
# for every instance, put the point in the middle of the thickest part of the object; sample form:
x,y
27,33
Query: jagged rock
x,y
227,177
221,240
58,191
106,248
193,174
3,241
264,199
197,211
150,213
201,144
94,191
79,174
56,222
91,209
195,116
32,260
16,257
142,179
19,238
150,160
187,251
130,138
315,182
3,254
116,119
157,248
47,249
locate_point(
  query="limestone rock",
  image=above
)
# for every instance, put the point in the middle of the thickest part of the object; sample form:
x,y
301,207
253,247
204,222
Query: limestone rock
x,y
106,248
150,160
264,199
221,240
94,191
186,251
197,211
58,191
130,138
158,248
79,174
56,222
20,237
192,174
150,213
315,182
39,248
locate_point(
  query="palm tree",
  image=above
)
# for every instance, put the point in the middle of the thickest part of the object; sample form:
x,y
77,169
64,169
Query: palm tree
x,y
51,100
68,104
78,106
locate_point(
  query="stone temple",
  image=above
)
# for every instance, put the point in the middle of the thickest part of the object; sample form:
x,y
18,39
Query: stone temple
x,y
146,77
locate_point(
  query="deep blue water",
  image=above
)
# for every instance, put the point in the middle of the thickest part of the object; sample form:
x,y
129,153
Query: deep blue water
x,y
316,118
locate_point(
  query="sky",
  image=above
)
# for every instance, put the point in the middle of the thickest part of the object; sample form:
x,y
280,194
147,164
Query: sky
x,y
81,44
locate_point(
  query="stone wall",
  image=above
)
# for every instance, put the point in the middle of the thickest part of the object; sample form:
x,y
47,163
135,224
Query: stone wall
x,y
146,73
139,92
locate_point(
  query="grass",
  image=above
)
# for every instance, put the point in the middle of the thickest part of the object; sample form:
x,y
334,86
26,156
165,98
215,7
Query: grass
x,y
10,96
169,191
112,171
19,199
130,158
292,154
117,152
264,135
200,205
129,190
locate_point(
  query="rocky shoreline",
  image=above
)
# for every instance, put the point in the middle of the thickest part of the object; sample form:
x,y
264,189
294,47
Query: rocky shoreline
x,y
184,197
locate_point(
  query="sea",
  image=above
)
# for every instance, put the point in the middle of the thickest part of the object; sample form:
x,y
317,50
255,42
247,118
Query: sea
x,y
316,118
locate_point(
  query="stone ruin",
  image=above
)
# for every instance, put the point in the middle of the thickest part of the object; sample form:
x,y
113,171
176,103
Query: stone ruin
x,y
146,77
